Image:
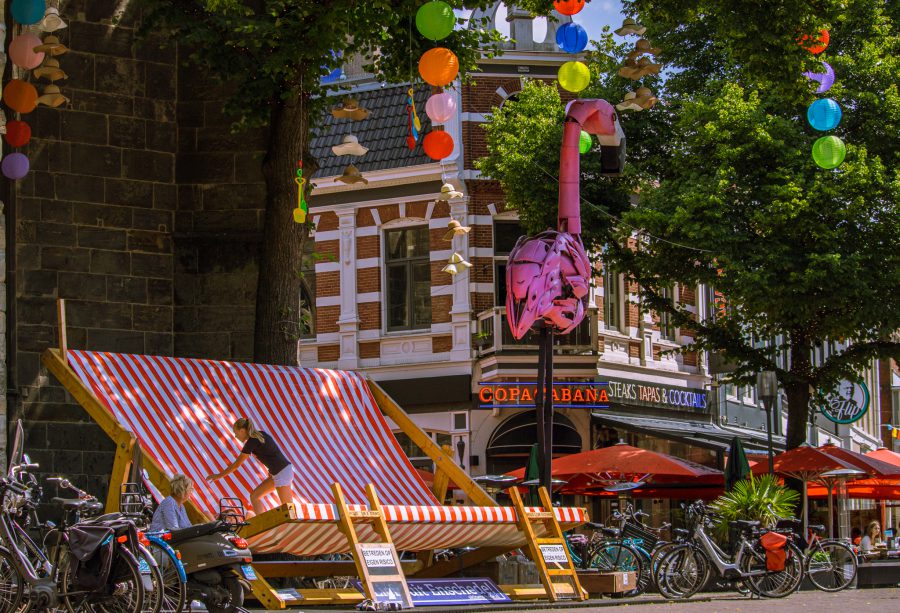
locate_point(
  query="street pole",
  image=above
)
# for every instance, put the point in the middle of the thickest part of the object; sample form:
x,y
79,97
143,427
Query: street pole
x,y
769,427
767,390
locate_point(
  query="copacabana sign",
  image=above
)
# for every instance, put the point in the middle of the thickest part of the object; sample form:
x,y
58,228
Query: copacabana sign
x,y
847,404
572,395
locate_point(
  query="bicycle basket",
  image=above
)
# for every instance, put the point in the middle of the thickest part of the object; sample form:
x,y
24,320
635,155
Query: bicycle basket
x,y
131,502
231,511
639,535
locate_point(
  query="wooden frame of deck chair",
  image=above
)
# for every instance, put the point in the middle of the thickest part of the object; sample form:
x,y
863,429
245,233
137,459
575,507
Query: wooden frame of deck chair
x,y
125,393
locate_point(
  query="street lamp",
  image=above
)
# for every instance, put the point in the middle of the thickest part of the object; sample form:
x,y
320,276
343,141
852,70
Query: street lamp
x,y
767,389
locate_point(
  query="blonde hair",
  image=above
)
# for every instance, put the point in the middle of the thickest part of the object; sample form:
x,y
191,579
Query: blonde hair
x,y
180,484
245,424
871,525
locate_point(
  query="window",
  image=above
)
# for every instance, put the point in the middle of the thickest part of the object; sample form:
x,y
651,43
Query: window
x,y
506,233
307,321
408,278
612,297
416,455
666,327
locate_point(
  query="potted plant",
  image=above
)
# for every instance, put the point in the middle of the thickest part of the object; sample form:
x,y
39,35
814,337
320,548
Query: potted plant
x,y
756,498
481,339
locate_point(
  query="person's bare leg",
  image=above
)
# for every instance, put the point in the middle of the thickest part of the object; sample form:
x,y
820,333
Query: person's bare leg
x,y
285,494
256,497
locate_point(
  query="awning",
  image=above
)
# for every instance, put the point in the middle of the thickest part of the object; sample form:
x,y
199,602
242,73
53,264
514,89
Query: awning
x,y
691,432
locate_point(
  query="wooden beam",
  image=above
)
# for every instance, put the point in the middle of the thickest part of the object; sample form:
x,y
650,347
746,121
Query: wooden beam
x,y
337,596
319,568
265,594
63,338
442,461
268,520
119,474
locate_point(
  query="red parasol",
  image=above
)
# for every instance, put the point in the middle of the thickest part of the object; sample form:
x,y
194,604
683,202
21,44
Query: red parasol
x,y
867,463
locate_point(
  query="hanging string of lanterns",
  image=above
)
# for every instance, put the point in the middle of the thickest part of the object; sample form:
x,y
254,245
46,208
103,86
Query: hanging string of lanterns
x,y
824,114
438,67
28,52
573,76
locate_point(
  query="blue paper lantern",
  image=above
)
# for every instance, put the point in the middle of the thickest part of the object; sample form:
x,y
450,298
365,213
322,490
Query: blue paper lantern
x,y
571,38
824,114
28,12
334,74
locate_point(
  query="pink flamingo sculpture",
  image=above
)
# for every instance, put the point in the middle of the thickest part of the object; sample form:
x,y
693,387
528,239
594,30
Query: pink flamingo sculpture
x,y
548,275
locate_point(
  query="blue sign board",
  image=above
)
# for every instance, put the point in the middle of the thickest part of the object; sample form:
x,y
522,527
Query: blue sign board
x,y
449,592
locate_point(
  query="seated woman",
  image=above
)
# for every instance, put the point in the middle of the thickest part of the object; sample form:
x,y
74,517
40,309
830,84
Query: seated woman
x,y
170,514
871,538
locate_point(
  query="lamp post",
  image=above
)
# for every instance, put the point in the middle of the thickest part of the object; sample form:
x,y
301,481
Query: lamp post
x,y
767,388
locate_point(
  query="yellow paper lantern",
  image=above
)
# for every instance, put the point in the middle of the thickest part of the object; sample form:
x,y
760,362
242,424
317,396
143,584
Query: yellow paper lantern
x,y
574,76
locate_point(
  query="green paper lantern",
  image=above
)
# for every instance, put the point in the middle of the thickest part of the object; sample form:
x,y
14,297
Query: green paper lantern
x,y
574,76
829,151
435,20
584,142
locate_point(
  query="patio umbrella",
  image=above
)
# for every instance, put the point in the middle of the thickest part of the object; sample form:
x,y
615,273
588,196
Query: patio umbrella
x,y
867,463
876,488
885,455
738,467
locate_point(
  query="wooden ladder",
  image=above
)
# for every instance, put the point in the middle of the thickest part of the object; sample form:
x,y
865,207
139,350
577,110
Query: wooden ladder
x,y
549,551
387,575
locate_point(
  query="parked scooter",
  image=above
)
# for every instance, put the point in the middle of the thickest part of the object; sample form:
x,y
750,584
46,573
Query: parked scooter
x,y
216,560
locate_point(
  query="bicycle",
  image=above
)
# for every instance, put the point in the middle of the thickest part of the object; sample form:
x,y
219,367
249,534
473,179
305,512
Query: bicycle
x,y
642,538
686,568
606,552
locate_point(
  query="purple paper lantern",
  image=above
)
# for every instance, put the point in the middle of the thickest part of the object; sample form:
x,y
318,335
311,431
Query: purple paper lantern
x,y
15,166
824,79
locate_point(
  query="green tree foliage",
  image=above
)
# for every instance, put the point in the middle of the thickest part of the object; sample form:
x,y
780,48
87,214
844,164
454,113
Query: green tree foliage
x,y
730,196
269,57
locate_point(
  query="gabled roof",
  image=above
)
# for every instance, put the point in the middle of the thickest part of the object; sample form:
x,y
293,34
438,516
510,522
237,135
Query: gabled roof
x,y
384,132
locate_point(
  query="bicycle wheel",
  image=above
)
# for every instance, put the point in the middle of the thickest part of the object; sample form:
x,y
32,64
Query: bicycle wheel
x,y
831,566
153,593
657,555
174,588
11,584
681,572
773,584
618,557
124,592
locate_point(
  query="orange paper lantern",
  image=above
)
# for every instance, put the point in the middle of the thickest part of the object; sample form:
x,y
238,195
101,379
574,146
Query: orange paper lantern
x,y
568,7
437,145
439,66
20,96
815,45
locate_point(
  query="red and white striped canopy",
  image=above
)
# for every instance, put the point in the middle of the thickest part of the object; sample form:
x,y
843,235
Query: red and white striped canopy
x,y
326,422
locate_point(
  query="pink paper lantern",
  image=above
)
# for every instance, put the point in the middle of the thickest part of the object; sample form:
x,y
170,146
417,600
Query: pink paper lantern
x,y
21,51
440,108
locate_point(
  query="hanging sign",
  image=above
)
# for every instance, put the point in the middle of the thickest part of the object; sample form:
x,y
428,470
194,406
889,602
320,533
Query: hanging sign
x,y
381,566
554,554
847,404
566,395
657,395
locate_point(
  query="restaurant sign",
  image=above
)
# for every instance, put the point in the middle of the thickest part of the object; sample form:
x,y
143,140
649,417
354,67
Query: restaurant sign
x,y
566,395
847,404
656,395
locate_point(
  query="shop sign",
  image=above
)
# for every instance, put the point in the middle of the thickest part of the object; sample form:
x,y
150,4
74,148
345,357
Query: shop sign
x,y
657,396
554,554
450,592
566,395
847,404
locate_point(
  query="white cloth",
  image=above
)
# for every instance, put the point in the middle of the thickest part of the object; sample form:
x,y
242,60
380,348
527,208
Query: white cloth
x,y
284,477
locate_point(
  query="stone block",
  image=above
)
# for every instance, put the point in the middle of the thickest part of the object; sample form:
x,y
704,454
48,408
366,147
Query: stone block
x,y
186,289
221,138
80,68
227,288
190,197
242,346
46,233
63,258
28,366
102,40
97,462
152,219
231,317
129,193
59,158
155,109
148,165
187,139
35,338
210,345
101,238
162,136
96,160
79,188
126,289
189,114
38,283
165,196
204,167
28,209
156,343
244,221
160,81
102,102
45,122
186,319
151,265
248,167
82,286
69,460
127,132
120,74
228,256
56,211
147,241
152,318
102,215
110,262
234,196
157,49
96,315
117,341
160,291
82,127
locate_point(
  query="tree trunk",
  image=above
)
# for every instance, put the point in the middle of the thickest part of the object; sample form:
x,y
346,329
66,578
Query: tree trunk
x,y
797,390
278,289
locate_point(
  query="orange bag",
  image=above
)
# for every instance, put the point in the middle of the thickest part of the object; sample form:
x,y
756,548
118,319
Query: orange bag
x,y
776,553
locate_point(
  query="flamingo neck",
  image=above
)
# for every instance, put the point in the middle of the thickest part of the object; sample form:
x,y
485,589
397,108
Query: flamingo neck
x,y
569,215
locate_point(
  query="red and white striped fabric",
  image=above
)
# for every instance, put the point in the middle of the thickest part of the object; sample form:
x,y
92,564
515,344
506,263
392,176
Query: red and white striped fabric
x,y
326,422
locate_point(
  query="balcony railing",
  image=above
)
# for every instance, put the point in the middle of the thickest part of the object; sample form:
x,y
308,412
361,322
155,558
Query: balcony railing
x,y
494,335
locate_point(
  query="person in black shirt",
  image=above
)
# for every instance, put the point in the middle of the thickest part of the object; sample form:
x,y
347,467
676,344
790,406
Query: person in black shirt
x,y
263,446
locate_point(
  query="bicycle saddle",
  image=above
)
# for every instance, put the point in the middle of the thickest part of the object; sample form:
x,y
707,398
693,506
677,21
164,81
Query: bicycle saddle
x,y
744,524
817,528
611,532
77,504
594,526
680,532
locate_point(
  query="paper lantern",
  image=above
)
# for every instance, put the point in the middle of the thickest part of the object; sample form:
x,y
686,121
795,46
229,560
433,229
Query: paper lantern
x,y
15,166
440,108
571,38
439,66
22,54
334,73
584,142
435,20
18,133
824,114
825,80
815,45
20,96
437,145
28,12
574,76
568,7
829,151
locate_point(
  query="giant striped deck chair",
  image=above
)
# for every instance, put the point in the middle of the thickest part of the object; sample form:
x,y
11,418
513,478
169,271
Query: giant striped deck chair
x,y
331,425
